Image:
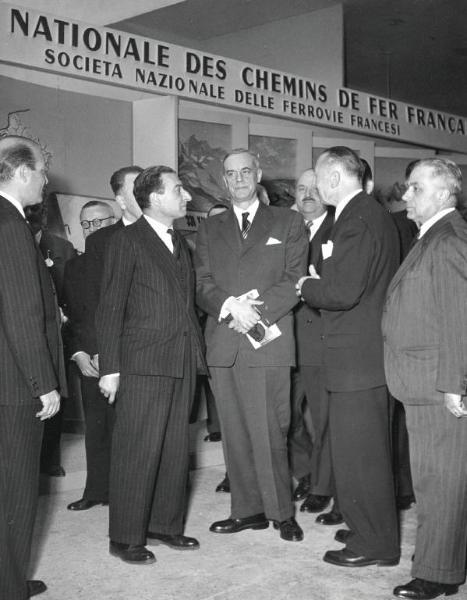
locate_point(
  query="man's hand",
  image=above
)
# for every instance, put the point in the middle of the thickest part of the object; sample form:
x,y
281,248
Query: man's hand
x,y
244,314
455,404
86,364
50,405
108,385
312,275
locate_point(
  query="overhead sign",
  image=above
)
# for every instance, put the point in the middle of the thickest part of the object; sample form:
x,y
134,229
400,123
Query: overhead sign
x,y
38,40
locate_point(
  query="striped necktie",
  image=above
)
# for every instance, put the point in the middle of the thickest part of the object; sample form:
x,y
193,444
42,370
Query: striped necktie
x,y
246,225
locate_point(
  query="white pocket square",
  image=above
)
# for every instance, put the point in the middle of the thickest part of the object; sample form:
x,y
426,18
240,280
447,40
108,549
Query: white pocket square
x,y
273,242
327,249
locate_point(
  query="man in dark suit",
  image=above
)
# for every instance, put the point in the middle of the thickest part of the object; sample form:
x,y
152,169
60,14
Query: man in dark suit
x,y
251,248
31,361
80,310
56,252
358,262
424,327
306,457
150,346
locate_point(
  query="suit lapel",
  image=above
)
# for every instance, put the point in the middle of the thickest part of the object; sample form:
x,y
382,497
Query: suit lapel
x,y
260,228
416,251
159,250
229,230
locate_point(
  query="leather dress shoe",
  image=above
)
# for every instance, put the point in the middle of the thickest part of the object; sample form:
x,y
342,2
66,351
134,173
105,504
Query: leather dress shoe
x,y
331,518
224,485
420,589
84,504
342,535
314,503
179,541
53,471
234,525
347,558
290,530
35,587
132,553
404,502
215,436
303,487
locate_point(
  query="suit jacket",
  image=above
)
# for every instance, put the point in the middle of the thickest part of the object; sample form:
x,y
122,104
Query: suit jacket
x,y
146,310
425,317
351,293
59,251
308,323
31,354
95,246
227,265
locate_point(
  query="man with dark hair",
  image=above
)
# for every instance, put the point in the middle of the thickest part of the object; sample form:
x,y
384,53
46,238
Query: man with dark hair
x,y
252,250
358,262
425,351
95,216
150,347
31,361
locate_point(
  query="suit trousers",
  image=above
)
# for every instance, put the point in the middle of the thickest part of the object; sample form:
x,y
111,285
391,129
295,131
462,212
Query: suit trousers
x,y
361,459
150,455
99,417
438,451
254,412
20,444
318,403
400,438
300,440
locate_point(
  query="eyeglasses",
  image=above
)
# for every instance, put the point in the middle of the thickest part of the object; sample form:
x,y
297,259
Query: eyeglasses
x,y
245,173
95,223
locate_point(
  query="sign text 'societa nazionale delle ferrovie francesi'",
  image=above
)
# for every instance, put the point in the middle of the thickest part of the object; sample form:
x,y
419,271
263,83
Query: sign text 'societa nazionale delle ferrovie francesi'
x,y
37,40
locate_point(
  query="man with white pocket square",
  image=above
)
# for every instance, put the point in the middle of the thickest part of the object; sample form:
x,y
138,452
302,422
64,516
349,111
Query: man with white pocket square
x,y
359,261
247,262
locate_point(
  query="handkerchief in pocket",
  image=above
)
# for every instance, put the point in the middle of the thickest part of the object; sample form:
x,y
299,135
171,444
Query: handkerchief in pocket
x,y
273,242
326,249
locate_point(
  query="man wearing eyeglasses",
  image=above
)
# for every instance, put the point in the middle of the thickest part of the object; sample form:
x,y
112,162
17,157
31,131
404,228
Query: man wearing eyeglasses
x,y
252,251
95,215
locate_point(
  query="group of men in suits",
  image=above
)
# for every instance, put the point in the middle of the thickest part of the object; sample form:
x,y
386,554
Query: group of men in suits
x,y
139,346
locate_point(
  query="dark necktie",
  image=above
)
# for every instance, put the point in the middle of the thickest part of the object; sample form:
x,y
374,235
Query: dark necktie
x,y
308,226
176,243
245,225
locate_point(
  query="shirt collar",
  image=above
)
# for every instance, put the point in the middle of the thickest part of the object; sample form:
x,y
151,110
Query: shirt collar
x,y
343,203
251,210
316,225
161,230
434,219
15,203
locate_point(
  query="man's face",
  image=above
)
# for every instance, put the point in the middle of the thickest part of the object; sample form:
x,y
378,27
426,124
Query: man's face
x,y
424,195
126,197
97,217
173,200
241,177
307,197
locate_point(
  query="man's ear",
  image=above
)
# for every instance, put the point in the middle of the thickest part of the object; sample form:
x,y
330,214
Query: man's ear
x,y
23,172
259,174
120,200
154,199
334,179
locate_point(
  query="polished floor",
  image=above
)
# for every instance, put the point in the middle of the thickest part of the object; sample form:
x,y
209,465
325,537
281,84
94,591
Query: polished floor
x,y
71,555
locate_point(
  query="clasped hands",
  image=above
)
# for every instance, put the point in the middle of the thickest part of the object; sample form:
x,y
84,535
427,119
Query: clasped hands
x,y
455,404
312,275
244,314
